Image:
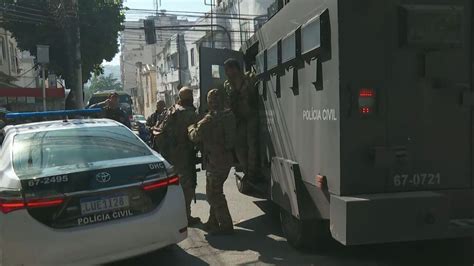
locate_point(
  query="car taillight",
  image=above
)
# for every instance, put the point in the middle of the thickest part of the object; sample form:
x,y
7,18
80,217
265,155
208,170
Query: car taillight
x,y
174,180
8,204
40,203
366,101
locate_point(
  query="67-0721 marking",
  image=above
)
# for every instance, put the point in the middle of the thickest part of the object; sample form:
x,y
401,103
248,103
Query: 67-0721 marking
x,y
417,179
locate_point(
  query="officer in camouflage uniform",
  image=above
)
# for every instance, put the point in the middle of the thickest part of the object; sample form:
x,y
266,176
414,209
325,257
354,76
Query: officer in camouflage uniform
x,y
173,142
155,119
111,109
216,133
241,96
158,116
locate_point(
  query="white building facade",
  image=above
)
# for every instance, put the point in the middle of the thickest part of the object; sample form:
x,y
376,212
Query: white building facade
x,y
137,58
19,80
235,21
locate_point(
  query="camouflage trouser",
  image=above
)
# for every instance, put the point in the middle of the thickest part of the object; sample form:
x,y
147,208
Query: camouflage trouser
x,y
187,184
219,214
246,147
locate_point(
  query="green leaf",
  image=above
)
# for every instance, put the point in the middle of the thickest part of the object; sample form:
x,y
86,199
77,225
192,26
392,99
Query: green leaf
x,y
100,24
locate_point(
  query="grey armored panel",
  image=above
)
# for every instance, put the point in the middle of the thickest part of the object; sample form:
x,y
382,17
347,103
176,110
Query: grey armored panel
x,y
304,127
381,218
414,55
283,185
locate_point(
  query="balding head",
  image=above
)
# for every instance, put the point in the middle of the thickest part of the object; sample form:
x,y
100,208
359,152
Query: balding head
x,y
214,100
186,96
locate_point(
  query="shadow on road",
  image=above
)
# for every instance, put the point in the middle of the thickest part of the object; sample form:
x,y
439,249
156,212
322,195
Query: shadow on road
x,y
201,196
262,235
173,255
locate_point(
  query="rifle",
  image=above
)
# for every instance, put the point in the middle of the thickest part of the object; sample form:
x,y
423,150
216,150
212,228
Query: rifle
x,y
197,160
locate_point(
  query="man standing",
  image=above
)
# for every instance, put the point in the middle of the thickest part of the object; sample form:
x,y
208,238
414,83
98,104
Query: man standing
x,y
111,109
155,119
173,143
241,96
158,116
216,134
3,122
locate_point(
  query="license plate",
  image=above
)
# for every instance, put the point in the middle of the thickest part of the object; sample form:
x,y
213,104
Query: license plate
x,y
105,204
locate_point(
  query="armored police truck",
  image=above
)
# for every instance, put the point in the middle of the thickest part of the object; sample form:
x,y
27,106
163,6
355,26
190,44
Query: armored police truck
x,y
366,111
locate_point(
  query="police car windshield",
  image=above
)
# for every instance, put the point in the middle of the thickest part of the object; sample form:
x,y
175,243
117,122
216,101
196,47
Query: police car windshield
x,y
72,149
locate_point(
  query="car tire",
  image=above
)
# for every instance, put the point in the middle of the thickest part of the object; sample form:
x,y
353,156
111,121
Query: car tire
x,y
304,234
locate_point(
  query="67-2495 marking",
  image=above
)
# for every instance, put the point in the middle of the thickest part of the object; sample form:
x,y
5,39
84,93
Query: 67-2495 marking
x,y
417,179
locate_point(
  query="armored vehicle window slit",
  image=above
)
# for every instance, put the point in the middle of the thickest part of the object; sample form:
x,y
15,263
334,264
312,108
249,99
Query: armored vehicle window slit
x,y
316,45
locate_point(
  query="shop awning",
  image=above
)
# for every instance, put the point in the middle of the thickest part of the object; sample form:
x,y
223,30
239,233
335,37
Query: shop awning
x,y
31,92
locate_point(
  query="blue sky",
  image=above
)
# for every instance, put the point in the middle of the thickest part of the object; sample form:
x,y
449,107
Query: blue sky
x,y
172,5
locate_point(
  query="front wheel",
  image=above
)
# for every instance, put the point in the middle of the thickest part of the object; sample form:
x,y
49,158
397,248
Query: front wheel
x,y
304,234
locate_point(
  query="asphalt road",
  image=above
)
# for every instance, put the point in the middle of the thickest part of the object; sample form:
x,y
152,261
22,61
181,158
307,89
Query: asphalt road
x,y
258,240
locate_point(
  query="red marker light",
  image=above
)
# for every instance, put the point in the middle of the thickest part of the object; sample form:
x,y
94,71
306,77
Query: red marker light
x,y
366,93
365,110
366,101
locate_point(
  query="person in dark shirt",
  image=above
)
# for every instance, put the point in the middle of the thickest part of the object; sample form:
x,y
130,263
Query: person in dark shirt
x,y
158,116
3,120
111,109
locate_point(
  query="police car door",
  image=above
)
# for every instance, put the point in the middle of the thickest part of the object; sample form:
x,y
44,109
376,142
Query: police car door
x,y
429,99
211,70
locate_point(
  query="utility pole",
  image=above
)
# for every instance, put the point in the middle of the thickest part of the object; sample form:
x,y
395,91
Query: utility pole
x,y
42,57
178,42
66,12
77,72
43,72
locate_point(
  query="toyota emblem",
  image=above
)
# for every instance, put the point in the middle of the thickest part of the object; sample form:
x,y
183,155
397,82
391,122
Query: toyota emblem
x,y
103,177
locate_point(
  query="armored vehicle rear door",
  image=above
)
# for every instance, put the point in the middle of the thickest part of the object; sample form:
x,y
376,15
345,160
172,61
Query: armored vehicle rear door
x,y
429,99
212,76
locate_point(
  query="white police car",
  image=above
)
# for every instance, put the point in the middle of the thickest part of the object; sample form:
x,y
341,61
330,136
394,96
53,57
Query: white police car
x,y
84,191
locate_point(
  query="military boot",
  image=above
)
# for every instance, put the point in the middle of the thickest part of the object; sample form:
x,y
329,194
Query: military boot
x,y
192,221
212,223
211,226
226,226
222,231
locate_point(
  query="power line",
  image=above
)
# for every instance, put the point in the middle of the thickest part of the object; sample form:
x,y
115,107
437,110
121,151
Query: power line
x,y
27,71
14,9
21,21
186,41
216,17
173,29
10,16
185,12
25,7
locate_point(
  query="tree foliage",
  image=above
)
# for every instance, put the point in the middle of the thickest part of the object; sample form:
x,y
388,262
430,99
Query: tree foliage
x,y
103,83
100,23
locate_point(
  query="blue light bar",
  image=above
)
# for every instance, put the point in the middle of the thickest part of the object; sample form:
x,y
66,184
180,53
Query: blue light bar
x,y
62,113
